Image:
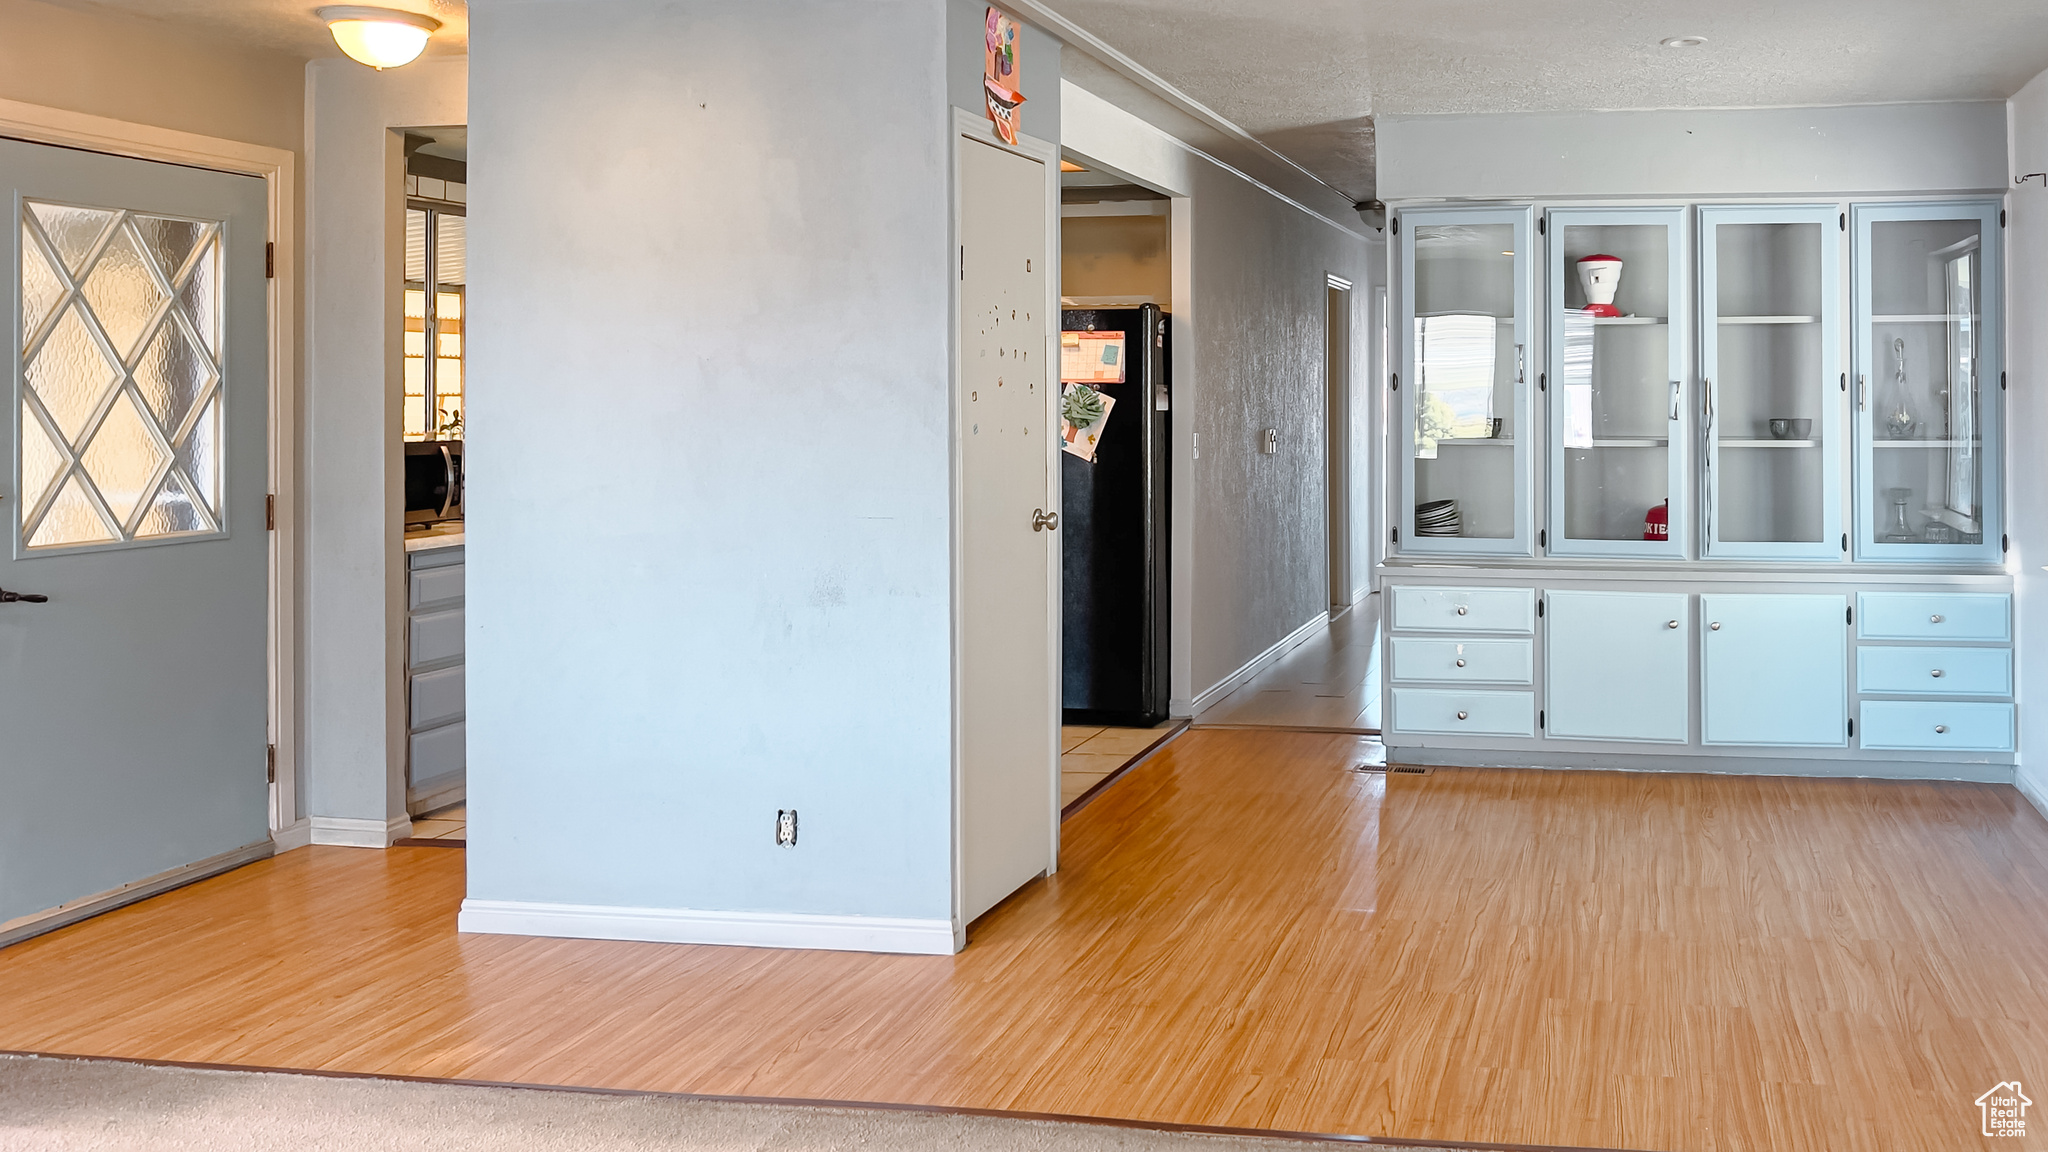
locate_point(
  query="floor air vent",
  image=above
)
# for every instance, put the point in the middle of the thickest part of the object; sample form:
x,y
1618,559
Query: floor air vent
x,y
1396,769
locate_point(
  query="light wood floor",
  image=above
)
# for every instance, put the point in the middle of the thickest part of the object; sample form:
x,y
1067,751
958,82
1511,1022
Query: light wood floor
x,y
1244,932
1331,681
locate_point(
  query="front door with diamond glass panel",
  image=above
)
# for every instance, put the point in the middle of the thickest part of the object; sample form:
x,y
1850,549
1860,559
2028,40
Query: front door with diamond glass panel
x,y
133,700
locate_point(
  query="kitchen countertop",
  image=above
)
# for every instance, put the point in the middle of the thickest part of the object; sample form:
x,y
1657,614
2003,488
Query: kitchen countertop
x,y
449,536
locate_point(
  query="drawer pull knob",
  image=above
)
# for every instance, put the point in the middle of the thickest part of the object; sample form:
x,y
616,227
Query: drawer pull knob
x,y
1671,623
1940,729
1934,619
1936,673
1461,611
1716,625
1461,715
1461,664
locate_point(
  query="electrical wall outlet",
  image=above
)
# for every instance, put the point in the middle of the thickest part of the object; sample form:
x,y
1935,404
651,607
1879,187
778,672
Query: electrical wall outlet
x,y
785,827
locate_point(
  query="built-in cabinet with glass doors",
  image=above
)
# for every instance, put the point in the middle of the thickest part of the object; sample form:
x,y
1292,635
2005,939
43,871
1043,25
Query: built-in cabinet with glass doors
x,y
1695,485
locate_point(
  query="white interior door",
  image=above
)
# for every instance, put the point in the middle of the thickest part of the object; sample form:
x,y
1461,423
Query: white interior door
x,y
133,717
1009,751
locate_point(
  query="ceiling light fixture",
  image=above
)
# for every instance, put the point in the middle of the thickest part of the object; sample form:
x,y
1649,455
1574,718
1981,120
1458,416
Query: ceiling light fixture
x,y
1683,41
380,37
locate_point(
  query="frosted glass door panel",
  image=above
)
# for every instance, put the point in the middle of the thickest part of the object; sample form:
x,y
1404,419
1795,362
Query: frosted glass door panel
x,y
1927,387
1772,381
1616,366
1468,372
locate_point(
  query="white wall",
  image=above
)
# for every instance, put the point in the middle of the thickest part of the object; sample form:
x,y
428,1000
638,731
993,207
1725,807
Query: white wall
x,y
354,570
708,514
2027,425
1864,149
1251,271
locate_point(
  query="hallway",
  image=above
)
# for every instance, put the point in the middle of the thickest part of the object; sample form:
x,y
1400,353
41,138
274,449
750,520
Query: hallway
x,y
1244,932
1331,683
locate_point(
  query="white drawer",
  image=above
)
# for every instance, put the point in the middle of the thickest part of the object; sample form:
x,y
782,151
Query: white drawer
x,y
1465,609
1934,671
1464,712
1934,616
437,585
438,697
441,752
436,636
1497,661
1937,725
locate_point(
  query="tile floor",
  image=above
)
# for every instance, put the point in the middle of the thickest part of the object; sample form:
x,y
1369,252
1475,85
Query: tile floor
x,y
1089,754
450,823
1332,681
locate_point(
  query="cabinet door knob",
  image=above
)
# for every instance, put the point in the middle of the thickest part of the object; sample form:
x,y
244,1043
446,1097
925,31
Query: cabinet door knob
x,y
1938,728
1461,664
1937,673
1461,611
1716,626
1671,623
1461,715
1934,619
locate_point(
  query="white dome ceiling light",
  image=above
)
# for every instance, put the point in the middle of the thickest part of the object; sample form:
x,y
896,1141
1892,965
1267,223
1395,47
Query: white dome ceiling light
x,y
1683,41
380,37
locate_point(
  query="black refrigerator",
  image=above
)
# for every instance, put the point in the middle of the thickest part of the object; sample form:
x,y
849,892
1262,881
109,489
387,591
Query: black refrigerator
x,y
1113,529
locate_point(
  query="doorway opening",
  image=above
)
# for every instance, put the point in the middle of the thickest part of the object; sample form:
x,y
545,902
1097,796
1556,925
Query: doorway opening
x,y
1116,295
1337,449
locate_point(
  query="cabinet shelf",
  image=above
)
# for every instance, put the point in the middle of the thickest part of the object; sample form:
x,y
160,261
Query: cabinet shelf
x,y
1628,321
1624,442
1926,443
1770,443
1929,319
1770,319
1448,441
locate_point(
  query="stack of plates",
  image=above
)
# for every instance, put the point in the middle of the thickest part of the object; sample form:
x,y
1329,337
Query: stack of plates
x,y
1437,518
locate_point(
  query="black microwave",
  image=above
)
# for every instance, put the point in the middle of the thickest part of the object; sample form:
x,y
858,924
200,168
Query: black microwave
x,y
433,481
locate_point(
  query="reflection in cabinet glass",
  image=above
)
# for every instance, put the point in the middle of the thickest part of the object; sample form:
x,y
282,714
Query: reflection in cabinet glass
x,y
1927,381
1465,401
1770,336
1616,372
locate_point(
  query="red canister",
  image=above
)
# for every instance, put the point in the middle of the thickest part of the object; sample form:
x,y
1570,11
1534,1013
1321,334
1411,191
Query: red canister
x,y
1657,524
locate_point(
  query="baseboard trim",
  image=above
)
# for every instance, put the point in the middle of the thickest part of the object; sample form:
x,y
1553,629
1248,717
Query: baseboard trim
x,y
693,926
1259,663
1715,764
298,835
63,915
2036,793
350,832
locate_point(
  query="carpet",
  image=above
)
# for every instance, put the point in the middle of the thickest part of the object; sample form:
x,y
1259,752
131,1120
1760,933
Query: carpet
x,y
79,1105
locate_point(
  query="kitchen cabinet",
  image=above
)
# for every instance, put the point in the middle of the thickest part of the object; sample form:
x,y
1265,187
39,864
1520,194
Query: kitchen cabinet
x,y
1615,385
1770,381
1619,666
436,690
1928,382
1774,669
1464,381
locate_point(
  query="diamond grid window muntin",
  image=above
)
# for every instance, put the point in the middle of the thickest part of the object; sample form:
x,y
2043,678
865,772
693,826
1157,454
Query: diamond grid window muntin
x,y
120,414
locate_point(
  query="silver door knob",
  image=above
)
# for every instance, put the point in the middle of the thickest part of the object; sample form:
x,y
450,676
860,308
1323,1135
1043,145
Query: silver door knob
x,y
1461,609
1940,728
1671,623
1716,626
1934,619
1461,715
1461,663
1936,673
1041,520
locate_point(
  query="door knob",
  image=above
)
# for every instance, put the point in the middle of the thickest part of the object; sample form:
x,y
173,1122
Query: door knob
x,y
7,597
1041,520
1671,623
1716,625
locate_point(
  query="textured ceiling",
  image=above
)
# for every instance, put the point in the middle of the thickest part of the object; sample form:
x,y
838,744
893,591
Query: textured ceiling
x,y
1306,75
287,26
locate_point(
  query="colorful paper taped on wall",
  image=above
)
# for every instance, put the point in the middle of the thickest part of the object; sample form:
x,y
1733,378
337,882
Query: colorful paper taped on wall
x,y
1001,82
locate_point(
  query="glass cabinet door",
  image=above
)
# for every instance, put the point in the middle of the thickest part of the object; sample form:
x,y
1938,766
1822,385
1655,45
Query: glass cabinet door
x,y
1926,382
1615,382
1770,331
1464,380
